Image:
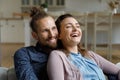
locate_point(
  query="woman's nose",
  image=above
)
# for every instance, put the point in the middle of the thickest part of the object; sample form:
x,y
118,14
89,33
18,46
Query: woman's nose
x,y
74,28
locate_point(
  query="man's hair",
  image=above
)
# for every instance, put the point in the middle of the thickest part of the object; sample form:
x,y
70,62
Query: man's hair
x,y
36,14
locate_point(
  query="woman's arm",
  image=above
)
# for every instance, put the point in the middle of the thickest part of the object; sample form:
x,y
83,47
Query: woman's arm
x,y
107,66
55,67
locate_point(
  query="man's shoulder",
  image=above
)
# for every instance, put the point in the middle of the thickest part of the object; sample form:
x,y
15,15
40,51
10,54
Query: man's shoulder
x,y
29,51
25,48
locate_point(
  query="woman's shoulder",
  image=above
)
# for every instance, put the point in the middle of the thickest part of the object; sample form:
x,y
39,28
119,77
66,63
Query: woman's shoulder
x,y
94,56
57,52
91,53
54,51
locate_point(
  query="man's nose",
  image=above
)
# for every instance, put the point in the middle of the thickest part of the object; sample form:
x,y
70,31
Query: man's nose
x,y
51,33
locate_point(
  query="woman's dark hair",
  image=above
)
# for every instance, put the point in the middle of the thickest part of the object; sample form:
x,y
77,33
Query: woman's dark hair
x,y
60,45
60,19
36,14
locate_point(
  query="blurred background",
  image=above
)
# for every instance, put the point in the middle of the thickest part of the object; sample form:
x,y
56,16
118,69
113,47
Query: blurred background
x,y
100,22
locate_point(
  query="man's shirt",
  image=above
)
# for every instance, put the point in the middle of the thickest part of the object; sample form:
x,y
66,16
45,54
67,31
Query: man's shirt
x,y
30,63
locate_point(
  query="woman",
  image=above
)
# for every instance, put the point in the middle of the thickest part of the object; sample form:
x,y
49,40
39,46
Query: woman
x,y
71,61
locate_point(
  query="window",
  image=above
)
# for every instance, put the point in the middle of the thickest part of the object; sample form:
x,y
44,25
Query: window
x,y
49,2
36,2
52,4
25,2
60,2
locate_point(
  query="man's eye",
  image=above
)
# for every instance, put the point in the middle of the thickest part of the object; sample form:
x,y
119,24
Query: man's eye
x,y
54,28
45,30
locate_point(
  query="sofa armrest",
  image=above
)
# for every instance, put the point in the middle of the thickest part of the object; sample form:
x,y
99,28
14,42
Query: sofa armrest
x,y
11,74
3,73
118,64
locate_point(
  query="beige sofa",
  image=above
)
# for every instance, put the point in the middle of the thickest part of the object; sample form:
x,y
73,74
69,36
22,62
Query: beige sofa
x,y
7,73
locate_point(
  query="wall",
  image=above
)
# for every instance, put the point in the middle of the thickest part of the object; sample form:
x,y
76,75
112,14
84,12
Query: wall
x,y
116,33
12,31
86,5
7,7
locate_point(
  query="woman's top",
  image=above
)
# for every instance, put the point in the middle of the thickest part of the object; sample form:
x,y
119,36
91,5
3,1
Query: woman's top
x,y
60,68
88,68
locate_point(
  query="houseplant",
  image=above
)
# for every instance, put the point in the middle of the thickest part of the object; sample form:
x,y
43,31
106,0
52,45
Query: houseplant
x,y
44,6
114,6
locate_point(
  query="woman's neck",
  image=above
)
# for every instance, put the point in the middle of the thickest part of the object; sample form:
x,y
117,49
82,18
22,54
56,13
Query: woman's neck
x,y
73,49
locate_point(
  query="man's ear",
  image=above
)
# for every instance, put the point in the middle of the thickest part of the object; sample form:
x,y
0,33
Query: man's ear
x,y
35,36
59,37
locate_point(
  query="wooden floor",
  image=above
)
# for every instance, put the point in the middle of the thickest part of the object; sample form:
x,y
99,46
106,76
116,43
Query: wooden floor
x,y
8,50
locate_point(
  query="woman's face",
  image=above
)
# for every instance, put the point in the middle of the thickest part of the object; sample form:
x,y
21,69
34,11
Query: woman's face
x,y
70,31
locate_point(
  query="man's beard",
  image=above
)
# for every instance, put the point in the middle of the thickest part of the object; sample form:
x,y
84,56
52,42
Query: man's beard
x,y
51,46
48,48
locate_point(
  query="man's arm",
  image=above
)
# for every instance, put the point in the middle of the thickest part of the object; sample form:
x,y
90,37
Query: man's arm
x,y
23,68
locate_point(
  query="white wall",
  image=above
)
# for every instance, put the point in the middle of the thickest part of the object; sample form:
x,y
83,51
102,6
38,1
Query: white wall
x,y
7,7
86,5
102,36
116,33
12,31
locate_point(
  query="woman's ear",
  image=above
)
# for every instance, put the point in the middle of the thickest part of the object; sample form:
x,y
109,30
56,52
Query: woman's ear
x,y
35,36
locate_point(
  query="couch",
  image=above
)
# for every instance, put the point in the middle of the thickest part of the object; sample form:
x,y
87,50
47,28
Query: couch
x,y
7,73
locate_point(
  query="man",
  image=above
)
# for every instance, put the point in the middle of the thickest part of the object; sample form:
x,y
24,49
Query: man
x,y
30,62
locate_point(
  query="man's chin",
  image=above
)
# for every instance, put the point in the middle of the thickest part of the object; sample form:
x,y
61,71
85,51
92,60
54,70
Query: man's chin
x,y
52,46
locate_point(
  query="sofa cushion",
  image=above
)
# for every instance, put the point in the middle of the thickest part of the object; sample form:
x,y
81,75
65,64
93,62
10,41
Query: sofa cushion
x,y
11,74
3,73
118,64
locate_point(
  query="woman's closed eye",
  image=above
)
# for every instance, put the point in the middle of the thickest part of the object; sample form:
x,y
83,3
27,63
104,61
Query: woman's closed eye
x,y
69,26
78,26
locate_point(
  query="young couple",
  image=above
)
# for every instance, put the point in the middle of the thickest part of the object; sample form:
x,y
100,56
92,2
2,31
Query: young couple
x,y
58,54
